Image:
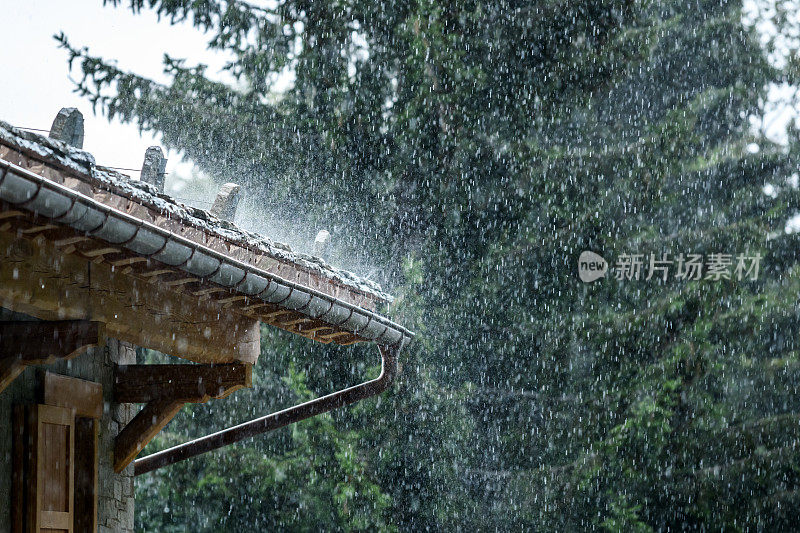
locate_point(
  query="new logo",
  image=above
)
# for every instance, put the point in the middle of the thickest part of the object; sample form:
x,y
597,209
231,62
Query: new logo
x,y
591,266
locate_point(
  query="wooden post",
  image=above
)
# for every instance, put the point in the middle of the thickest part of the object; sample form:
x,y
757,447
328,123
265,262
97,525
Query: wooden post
x,y
226,202
87,451
153,168
20,444
68,127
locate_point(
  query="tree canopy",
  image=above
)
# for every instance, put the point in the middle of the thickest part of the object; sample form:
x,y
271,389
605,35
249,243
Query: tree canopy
x,y
474,150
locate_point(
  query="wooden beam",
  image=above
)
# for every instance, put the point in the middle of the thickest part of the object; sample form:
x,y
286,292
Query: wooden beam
x,y
250,308
238,298
269,316
155,273
24,343
100,251
43,342
292,322
128,261
181,281
318,328
41,281
331,336
141,430
185,383
212,290
70,240
37,229
11,213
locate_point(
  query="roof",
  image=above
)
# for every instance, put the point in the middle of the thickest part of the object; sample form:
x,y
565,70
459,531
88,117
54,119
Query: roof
x,y
144,233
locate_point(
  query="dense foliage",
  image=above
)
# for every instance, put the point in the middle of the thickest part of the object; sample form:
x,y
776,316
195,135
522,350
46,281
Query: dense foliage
x,y
476,149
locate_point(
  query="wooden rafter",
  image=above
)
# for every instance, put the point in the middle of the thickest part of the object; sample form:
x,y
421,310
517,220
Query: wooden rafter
x,y
180,281
237,298
100,251
38,229
156,273
211,290
70,240
11,213
128,261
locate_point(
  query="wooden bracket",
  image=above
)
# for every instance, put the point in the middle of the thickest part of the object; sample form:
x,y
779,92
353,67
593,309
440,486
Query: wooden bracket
x,y
164,389
24,343
9,370
141,430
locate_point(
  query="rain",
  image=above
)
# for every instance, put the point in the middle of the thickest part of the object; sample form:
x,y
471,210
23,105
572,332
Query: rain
x,y
586,212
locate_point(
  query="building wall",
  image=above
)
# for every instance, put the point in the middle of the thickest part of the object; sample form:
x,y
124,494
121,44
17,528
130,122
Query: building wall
x,y
115,505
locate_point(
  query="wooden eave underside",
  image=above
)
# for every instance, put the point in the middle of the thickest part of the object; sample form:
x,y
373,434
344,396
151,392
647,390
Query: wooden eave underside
x,y
46,267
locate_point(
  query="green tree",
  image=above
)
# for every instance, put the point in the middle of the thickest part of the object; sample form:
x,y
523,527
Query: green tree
x,y
482,146
666,405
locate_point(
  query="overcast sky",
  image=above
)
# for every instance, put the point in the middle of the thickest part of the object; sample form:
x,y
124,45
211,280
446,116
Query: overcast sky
x,y
35,77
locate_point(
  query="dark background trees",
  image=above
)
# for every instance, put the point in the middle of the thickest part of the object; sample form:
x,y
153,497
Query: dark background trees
x,y
473,150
